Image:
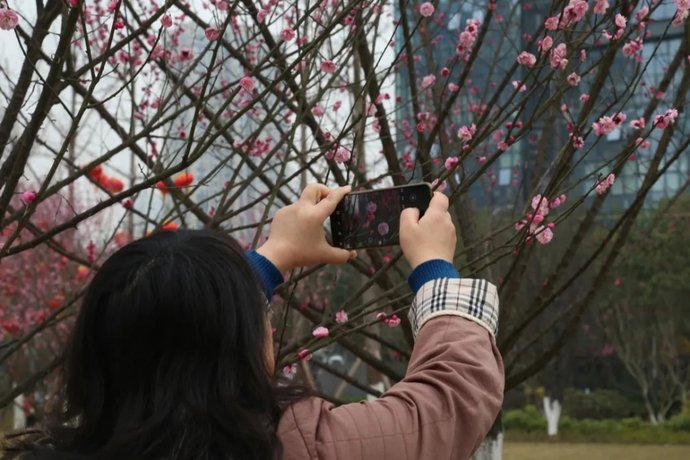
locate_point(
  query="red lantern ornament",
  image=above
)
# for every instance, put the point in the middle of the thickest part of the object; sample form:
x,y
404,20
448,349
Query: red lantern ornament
x,y
184,179
82,272
160,185
95,172
56,301
115,185
169,227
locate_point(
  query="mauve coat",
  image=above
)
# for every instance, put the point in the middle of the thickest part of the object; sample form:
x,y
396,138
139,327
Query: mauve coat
x,y
442,409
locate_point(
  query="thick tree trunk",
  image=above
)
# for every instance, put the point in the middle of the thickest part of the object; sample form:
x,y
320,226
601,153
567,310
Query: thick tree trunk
x,y
492,446
18,416
552,411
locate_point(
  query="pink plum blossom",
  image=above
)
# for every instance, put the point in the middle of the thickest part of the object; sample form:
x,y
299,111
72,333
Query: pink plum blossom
x,y
574,12
212,33
683,7
621,21
663,121
540,205
29,197
544,235
467,133
467,38
518,85
166,21
545,44
317,110
261,15
320,332
551,23
426,9
557,58
638,123
451,162
600,6
341,316
304,354
428,81
604,184
91,251
573,79
392,321
642,143
578,141
633,47
327,66
527,59
186,54
606,125
290,371
342,155
642,13
8,19
287,34
247,84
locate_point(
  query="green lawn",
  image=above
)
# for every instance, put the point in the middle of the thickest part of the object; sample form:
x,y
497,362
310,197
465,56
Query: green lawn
x,y
553,451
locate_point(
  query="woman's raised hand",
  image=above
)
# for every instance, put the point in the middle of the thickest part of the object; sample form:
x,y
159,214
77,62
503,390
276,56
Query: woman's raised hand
x,y
297,237
431,237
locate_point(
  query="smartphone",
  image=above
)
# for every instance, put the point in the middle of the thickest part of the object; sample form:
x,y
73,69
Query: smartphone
x,y
371,219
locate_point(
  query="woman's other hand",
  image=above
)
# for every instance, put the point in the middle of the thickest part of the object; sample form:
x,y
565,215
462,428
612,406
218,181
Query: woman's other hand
x,y
297,237
431,237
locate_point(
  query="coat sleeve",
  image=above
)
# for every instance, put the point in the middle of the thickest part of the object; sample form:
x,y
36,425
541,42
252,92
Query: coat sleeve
x,y
442,409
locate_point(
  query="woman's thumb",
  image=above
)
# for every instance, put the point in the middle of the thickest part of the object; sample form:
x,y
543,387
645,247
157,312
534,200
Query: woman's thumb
x,y
338,256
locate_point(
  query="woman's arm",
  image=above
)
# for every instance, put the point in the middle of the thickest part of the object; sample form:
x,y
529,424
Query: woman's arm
x,y
442,409
267,273
453,388
297,238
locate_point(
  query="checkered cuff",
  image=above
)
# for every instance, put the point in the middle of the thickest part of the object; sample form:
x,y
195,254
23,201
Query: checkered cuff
x,y
474,299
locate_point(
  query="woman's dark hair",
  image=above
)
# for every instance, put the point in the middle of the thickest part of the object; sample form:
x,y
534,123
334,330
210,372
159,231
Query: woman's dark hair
x,y
167,359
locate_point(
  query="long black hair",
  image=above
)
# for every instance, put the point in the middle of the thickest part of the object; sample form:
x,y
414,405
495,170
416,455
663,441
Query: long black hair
x,y
167,359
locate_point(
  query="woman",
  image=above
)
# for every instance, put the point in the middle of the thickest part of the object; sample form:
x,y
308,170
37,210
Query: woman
x,y
171,356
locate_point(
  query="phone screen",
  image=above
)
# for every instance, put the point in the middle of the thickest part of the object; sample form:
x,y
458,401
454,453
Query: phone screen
x,y
371,219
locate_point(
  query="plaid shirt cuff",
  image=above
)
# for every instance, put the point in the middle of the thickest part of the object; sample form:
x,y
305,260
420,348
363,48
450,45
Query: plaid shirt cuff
x,y
473,299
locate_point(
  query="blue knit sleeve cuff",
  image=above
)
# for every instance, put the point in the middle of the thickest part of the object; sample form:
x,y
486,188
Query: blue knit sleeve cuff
x,y
269,276
430,270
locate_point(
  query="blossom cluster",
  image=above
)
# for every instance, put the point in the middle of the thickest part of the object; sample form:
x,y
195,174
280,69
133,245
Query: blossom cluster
x,y
538,228
604,184
389,320
467,38
607,124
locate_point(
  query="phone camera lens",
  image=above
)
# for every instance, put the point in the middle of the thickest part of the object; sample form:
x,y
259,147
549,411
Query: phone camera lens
x,y
413,197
